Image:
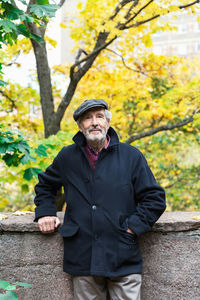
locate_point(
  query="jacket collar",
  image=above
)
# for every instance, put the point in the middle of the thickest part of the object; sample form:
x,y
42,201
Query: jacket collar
x,y
80,140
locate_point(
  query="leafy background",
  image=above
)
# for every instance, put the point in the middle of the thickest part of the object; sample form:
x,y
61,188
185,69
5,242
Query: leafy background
x,y
145,92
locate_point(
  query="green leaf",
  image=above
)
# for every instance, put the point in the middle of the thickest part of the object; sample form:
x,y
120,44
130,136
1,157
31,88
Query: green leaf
x,y
11,296
8,26
4,284
51,146
10,37
2,83
24,189
21,29
12,147
3,297
44,10
26,158
30,172
11,159
41,151
23,147
23,284
37,38
12,12
41,2
3,148
10,287
6,139
27,18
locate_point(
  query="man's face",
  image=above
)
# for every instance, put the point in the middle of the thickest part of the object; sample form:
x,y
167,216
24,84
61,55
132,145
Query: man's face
x,y
94,125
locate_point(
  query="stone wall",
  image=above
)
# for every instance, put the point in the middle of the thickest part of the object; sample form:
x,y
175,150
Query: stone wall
x,y
171,255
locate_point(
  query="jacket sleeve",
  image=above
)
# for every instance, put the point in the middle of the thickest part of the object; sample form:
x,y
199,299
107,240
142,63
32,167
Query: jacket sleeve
x,y
46,190
150,198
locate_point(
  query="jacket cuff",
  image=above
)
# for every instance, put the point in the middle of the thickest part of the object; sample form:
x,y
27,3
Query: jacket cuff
x,y
138,226
44,212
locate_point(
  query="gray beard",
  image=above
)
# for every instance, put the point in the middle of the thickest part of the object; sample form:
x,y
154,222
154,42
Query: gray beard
x,y
97,145
96,142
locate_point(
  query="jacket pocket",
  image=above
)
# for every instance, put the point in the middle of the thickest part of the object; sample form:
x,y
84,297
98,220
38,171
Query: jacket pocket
x,y
128,249
127,237
128,246
68,230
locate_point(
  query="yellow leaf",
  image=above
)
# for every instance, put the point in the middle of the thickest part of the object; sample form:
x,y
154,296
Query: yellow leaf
x,y
3,217
21,213
80,5
196,218
63,25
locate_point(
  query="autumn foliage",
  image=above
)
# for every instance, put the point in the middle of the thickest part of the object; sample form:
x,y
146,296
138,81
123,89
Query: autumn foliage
x,y
154,99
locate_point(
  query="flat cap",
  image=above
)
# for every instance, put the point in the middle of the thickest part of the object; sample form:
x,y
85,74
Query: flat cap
x,y
88,104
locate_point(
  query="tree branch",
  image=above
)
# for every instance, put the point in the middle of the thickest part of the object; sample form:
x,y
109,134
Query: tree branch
x,y
14,60
80,67
190,4
161,128
173,183
119,7
61,3
130,9
37,30
13,105
124,63
139,11
123,26
93,53
80,51
137,24
75,77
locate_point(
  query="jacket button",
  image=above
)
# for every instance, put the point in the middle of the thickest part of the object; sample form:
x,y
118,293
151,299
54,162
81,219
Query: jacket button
x,y
94,207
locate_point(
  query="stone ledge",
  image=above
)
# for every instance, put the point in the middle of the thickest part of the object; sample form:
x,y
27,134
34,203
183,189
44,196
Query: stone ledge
x,y
168,222
23,223
178,221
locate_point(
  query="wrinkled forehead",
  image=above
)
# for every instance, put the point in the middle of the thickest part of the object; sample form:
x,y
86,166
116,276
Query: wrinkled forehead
x,y
93,110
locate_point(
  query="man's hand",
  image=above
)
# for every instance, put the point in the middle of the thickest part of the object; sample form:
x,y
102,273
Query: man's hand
x,y
130,231
48,224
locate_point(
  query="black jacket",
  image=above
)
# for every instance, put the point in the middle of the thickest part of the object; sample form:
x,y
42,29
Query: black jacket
x,y
122,192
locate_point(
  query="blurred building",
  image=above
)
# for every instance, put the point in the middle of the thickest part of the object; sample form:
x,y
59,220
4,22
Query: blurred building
x,y
67,44
184,41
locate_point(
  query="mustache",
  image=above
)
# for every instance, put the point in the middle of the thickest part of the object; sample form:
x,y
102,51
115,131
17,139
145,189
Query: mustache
x,y
94,127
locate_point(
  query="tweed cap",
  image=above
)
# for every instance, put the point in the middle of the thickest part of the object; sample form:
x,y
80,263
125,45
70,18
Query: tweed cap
x,y
88,104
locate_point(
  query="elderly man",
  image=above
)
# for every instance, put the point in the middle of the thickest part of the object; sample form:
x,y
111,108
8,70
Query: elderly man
x,y
112,198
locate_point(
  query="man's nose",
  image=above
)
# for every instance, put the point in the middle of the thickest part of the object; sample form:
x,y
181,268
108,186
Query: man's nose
x,y
94,121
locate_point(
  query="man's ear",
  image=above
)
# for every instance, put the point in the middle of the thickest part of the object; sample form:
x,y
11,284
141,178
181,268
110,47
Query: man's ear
x,y
79,126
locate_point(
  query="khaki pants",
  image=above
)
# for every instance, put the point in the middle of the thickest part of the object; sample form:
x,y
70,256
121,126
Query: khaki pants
x,y
107,288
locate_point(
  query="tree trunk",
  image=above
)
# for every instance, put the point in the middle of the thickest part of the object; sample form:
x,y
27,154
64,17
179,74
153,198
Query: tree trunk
x,y
51,125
